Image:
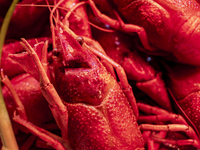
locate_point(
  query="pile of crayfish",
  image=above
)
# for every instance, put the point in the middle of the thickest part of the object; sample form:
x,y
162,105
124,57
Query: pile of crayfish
x,y
99,74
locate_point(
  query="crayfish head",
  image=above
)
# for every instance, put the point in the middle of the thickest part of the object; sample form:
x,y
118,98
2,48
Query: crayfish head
x,y
79,75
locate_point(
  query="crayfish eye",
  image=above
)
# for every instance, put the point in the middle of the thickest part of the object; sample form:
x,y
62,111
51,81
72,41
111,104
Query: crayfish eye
x,y
55,52
80,40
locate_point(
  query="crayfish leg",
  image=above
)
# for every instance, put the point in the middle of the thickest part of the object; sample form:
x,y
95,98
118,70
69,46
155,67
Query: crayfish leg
x,y
59,110
184,142
120,25
151,144
19,106
159,115
171,127
39,132
23,59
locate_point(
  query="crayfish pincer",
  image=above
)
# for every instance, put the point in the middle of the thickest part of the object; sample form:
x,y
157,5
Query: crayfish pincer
x,y
87,102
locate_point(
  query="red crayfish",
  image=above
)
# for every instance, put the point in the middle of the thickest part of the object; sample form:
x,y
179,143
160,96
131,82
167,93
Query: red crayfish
x,y
91,109
139,70
154,21
93,112
171,26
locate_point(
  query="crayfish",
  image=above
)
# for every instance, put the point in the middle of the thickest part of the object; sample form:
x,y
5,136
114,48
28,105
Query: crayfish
x,y
120,49
83,78
169,26
88,104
